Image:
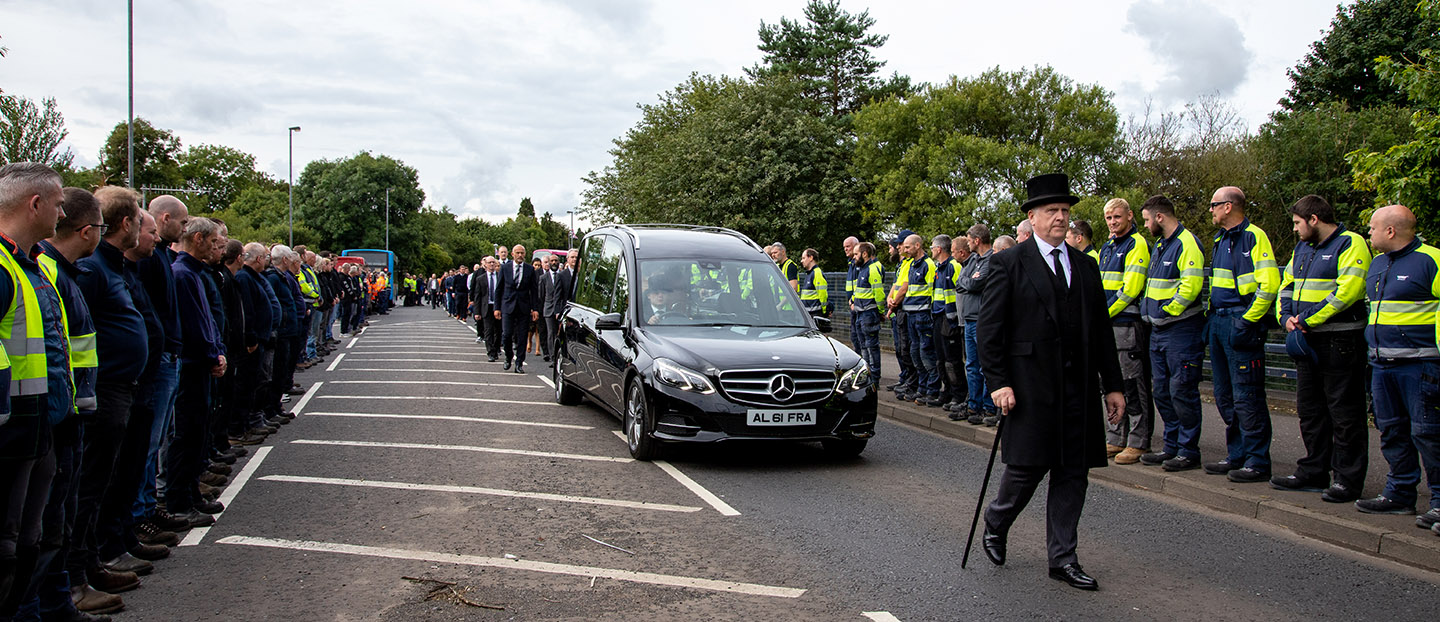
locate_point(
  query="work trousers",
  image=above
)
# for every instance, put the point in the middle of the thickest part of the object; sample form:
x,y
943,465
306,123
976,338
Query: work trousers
x,y
24,489
900,332
921,327
949,359
1330,399
1238,377
1132,347
1176,354
50,582
1407,411
187,446
867,340
103,433
1064,504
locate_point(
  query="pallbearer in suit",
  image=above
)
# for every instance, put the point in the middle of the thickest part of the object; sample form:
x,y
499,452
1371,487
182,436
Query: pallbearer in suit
x,y
486,303
556,285
519,301
1047,350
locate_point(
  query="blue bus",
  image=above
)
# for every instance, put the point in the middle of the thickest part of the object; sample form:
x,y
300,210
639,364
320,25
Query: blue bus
x,y
376,258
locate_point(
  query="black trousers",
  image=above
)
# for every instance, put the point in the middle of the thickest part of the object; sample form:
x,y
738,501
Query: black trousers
x,y
552,330
1330,398
515,330
1064,503
188,445
112,527
247,378
58,521
950,358
24,488
103,434
492,329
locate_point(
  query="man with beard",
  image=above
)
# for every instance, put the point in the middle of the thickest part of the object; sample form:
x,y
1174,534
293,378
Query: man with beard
x,y
1173,308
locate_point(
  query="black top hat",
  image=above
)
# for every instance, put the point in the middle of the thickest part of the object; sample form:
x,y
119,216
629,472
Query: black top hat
x,y
1047,189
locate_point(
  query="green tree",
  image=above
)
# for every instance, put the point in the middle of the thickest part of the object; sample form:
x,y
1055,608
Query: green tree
x,y
30,133
221,171
831,53
1341,64
157,153
746,155
527,209
1406,172
343,200
960,152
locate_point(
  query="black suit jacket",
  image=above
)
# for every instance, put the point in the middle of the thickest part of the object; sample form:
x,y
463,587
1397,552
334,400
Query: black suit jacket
x,y
1019,345
480,294
556,291
521,296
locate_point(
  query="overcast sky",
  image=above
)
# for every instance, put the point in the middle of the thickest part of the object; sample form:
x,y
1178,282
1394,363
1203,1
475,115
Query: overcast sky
x,y
496,100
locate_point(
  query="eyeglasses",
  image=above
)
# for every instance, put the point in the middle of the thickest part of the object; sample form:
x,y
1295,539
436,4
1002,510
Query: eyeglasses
x,y
103,227
1215,204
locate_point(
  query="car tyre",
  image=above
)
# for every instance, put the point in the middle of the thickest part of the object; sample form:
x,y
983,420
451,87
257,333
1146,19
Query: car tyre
x,y
565,394
638,424
844,447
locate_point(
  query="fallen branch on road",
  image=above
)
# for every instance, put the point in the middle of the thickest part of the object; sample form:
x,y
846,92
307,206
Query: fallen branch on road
x,y
608,544
448,590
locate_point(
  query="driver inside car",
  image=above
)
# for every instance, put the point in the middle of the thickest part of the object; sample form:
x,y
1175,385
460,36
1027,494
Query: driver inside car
x,y
666,300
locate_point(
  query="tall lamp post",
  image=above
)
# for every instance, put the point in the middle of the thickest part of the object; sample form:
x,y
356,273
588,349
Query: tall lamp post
x,y
291,135
387,219
571,242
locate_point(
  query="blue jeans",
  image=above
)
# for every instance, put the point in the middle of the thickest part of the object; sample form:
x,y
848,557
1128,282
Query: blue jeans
x,y
975,377
1407,411
866,333
1176,354
329,322
167,378
921,326
901,335
1238,376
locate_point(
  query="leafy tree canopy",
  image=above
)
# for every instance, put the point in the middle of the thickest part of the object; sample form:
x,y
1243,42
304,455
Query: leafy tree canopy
x,y
1341,65
30,133
157,153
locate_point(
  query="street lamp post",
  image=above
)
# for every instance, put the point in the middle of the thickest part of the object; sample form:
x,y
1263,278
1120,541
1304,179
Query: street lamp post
x,y
571,241
387,219
291,135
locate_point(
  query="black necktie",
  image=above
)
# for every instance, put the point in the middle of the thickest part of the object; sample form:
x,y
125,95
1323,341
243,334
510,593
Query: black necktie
x,y
1059,270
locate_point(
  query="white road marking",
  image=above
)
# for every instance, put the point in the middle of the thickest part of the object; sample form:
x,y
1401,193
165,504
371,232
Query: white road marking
x,y
491,450
335,362
880,616
720,506
564,426
547,380
419,341
228,495
426,397
352,342
693,486
730,587
305,399
429,360
438,382
413,347
477,490
433,371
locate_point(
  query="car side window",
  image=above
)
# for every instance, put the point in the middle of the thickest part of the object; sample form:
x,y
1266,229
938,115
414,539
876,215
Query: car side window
x,y
615,256
597,275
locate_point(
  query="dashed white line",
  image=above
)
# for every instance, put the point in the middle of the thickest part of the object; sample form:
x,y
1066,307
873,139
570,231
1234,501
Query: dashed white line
x,y
228,495
439,382
432,371
730,587
426,397
491,450
690,484
547,380
564,426
335,362
413,347
305,399
429,360
880,616
352,342
477,490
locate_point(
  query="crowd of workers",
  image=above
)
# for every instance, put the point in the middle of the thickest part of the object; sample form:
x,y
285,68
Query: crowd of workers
x,y
1357,321
144,350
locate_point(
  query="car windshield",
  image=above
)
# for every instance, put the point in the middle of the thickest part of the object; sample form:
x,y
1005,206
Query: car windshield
x,y
703,292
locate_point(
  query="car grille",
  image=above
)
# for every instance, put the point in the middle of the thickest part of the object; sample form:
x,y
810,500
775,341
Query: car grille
x,y
752,386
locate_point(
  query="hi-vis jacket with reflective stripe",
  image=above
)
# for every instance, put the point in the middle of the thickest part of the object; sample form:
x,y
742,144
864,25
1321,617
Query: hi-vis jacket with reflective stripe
x,y
1322,283
1124,262
1244,272
814,290
1404,291
22,335
901,284
869,292
920,287
1177,274
943,299
309,285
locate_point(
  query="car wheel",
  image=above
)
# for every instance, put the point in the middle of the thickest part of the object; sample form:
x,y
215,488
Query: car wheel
x,y
637,424
844,447
565,394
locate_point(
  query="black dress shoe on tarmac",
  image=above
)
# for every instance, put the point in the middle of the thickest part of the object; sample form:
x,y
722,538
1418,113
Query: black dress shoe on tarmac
x,y
1074,576
1180,463
1290,482
1222,467
150,552
519,368
210,507
112,582
506,366
1383,505
220,458
1248,475
1340,493
129,563
195,518
994,545
147,533
492,359
169,522
1156,458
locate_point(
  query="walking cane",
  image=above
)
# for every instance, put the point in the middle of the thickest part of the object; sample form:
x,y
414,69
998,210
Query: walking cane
x,y
984,485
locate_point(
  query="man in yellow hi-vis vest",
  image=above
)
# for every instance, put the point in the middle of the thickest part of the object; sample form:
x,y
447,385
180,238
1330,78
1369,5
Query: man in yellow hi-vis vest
x,y
34,371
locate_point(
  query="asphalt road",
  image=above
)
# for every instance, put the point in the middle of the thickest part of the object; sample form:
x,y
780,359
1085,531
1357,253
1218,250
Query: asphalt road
x,y
413,457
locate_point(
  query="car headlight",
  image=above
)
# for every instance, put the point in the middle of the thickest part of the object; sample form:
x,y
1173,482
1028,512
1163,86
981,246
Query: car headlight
x,y
680,377
857,378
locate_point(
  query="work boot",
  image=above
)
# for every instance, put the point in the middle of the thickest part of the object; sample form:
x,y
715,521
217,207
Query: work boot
x,y
90,600
1129,455
1156,458
169,522
148,533
129,563
213,479
110,581
150,552
219,468
1113,450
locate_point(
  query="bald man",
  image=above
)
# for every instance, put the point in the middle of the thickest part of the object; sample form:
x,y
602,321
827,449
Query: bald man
x,y
1403,286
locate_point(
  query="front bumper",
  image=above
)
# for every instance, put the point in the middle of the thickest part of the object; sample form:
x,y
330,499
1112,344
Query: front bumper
x,y
685,416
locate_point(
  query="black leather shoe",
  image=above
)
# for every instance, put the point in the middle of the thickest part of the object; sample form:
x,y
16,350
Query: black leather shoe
x,y
519,368
195,519
220,458
129,563
112,582
148,533
170,522
1156,458
1181,463
994,545
1222,467
210,507
1248,475
220,468
1290,482
506,366
1074,576
150,552
1379,505
492,359
1340,493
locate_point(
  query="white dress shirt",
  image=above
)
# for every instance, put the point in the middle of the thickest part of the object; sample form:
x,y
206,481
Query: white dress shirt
x,y
1045,256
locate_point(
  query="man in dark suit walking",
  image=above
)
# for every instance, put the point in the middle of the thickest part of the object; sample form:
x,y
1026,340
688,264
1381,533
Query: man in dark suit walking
x,y
556,283
1047,351
519,300
486,302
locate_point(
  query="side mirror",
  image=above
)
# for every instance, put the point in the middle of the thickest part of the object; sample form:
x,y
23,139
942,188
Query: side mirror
x,y
609,321
823,323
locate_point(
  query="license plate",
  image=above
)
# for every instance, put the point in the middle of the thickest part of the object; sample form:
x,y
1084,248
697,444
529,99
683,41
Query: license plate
x,y
780,417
